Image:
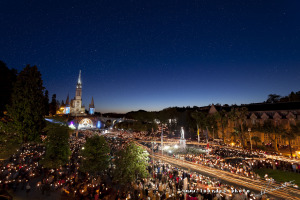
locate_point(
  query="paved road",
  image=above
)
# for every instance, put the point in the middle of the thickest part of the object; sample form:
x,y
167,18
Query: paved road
x,y
249,183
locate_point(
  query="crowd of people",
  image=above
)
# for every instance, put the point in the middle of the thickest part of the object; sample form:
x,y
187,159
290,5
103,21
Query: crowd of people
x,y
169,182
21,167
23,171
240,162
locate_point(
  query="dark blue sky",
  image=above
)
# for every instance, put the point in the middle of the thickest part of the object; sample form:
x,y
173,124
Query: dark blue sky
x,y
156,54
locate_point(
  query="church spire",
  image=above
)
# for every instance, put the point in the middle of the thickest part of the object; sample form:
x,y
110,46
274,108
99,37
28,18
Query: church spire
x,y
92,107
79,80
92,103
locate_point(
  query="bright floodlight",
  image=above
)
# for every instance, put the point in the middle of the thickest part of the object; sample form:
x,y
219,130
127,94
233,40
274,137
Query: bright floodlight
x,y
176,146
166,147
170,151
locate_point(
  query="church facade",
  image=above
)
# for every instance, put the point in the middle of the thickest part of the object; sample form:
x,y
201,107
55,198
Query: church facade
x,y
75,107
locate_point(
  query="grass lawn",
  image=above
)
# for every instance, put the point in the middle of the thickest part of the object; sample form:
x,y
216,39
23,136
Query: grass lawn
x,y
280,176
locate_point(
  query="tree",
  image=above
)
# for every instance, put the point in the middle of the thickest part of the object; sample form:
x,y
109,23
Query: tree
x,y
235,134
108,123
57,146
242,117
7,79
239,116
273,98
291,134
223,120
53,105
46,102
131,163
274,131
201,120
212,124
95,155
27,108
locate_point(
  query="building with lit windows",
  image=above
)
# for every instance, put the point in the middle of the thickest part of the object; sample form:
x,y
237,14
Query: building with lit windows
x,y
284,114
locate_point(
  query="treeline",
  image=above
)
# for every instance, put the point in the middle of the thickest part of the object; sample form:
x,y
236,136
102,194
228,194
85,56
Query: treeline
x,y
179,116
137,126
275,98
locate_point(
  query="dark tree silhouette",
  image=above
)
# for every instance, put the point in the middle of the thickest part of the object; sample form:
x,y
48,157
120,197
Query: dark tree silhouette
x,y
273,98
46,102
27,108
7,79
53,105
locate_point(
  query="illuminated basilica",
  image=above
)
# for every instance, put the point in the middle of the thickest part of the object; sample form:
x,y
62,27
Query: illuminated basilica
x,y
75,107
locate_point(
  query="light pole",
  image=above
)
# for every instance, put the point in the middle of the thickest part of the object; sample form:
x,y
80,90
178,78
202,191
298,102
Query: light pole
x,y
249,130
198,133
162,140
152,154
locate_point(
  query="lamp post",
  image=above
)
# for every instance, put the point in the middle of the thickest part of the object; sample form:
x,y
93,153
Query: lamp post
x,y
249,130
198,133
152,154
162,140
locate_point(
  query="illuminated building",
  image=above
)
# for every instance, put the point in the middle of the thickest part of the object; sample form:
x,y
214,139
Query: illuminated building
x,y
282,114
92,107
75,107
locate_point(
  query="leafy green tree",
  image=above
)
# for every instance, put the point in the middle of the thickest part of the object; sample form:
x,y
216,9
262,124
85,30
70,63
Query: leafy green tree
x,y
242,117
292,134
95,155
131,163
212,124
27,108
7,79
223,121
235,134
239,116
273,131
202,120
108,123
57,146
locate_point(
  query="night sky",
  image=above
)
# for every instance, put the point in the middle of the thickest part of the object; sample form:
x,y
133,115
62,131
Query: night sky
x,y
155,54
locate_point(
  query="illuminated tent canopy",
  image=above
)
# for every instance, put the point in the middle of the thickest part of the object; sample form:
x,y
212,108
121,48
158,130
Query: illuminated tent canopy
x,y
85,123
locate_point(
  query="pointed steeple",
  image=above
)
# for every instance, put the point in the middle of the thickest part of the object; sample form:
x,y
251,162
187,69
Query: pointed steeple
x,y
92,103
92,107
79,80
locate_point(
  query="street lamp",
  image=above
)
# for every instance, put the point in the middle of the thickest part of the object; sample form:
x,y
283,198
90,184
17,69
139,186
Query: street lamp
x,y
162,140
249,130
